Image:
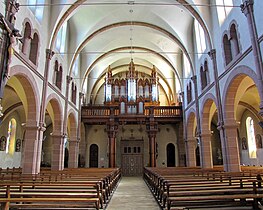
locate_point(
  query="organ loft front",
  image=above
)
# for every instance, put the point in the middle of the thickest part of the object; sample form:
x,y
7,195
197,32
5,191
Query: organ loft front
x,y
133,123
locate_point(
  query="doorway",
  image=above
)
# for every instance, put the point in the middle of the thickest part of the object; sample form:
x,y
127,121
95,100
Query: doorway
x,y
132,157
170,151
94,154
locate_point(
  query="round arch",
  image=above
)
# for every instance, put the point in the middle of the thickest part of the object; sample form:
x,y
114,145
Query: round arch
x,y
29,91
55,111
231,86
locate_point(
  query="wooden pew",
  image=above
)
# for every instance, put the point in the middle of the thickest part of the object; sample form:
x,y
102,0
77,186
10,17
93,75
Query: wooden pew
x,y
73,188
184,188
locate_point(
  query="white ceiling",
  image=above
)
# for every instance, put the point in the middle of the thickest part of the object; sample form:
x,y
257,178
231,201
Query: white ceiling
x,y
105,33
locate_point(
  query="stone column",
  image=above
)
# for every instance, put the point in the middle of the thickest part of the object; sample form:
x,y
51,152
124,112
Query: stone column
x,y
81,95
220,127
49,55
231,147
30,150
66,106
73,153
65,134
57,152
248,10
190,145
206,150
198,121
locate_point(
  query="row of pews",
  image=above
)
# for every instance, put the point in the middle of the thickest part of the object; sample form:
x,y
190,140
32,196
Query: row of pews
x,y
196,188
78,188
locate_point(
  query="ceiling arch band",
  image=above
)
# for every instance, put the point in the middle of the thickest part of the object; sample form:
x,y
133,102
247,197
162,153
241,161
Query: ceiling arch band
x,y
127,48
69,13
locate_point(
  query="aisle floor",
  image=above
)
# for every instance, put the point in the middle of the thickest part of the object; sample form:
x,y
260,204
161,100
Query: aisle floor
x,y
132,194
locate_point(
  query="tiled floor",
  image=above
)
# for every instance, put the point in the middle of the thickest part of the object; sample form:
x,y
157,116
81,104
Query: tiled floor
x,y
132,194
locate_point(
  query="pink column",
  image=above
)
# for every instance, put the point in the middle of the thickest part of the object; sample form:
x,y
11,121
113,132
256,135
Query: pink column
x,y
112,151
206,150
30,150
248,9
39,148
73,153
190,145
58,152
152,149
231,147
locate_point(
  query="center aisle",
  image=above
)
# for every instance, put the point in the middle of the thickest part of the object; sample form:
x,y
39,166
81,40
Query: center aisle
x,y
132,193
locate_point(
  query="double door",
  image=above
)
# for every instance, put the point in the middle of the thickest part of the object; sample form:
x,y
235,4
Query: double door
x,y
132,157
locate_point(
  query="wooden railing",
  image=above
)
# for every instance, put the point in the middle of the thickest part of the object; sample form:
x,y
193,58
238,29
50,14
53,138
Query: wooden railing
x,y
155,111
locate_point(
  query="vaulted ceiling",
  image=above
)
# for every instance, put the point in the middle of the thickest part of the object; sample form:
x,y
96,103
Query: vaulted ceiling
x,y
111,32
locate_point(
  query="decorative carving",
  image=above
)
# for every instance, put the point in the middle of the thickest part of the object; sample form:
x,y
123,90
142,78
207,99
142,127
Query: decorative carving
x,y
259,141
3,143
18,145
244,143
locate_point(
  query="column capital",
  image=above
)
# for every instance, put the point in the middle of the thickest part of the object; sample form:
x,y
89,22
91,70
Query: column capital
x,y
69,79
212,54
151,134
220,125
247,6
230,124
49,54
193,78
207,134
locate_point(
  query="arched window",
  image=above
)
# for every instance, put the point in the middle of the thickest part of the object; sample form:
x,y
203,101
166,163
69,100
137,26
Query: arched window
x,y
34,49
234,41
58,75
204,75
73,92
251,138
36,6
189,92
26,39
11,135
227,49
206,72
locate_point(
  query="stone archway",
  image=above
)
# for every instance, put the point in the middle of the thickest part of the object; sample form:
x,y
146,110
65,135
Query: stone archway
x,y
54,111
209,109
72,141
191,143
23,84
238,85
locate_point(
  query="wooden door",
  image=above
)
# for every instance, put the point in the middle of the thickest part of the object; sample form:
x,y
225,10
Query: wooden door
x,y
132,157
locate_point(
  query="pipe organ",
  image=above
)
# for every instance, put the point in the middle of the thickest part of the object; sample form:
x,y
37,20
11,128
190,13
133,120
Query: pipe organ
x,y
131,91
